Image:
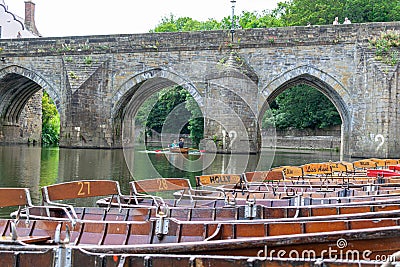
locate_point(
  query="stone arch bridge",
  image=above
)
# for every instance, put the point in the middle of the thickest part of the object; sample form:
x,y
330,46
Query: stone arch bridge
x,y
99,82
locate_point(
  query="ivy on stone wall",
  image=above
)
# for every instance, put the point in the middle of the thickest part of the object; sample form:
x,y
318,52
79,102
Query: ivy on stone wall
x,y
386,47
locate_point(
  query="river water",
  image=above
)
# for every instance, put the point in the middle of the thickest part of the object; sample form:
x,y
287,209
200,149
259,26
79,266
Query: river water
x,y
34,167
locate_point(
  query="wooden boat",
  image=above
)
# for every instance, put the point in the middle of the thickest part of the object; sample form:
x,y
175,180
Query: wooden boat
x,y
394,167
183,150
250,211
139,213
371,242
131,260
381,236
165,230
78,256
205,237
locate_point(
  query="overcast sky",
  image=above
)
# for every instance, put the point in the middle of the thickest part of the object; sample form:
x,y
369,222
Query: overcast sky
x,y
92,17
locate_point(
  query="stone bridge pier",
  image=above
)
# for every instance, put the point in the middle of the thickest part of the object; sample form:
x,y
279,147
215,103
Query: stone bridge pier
x,y
98,83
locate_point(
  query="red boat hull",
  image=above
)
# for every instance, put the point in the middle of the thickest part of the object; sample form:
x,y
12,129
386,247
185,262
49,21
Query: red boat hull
x,y
382,173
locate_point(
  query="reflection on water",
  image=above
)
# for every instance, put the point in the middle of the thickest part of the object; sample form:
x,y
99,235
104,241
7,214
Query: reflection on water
x,y
33,167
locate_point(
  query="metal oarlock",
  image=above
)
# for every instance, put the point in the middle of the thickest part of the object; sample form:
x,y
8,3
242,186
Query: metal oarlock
x,y
162,224
250,210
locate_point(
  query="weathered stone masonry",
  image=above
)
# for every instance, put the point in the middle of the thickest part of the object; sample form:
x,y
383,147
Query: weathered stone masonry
x,y
98,81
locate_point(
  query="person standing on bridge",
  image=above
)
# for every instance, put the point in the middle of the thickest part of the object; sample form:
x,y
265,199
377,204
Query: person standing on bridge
x,y
336,21
174,144
346,21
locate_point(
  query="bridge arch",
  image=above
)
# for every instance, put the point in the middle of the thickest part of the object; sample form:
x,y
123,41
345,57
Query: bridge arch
x,y
19,84
129,97
159,78
321,81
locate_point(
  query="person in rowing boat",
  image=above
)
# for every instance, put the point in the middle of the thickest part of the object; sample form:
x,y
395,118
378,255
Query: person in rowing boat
x,y
174,144
181,142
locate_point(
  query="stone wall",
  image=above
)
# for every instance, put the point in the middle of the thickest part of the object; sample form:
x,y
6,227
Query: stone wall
x,y
328,138
29,128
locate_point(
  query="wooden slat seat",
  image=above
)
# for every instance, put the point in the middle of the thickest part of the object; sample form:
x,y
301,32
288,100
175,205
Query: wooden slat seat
x,y
145,189
159,185
364,164
218,179
53,194
263,176
14,197
386,208
80,189
116,214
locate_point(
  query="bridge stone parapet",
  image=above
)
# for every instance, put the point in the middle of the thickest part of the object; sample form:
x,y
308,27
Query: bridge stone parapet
x,y
98,82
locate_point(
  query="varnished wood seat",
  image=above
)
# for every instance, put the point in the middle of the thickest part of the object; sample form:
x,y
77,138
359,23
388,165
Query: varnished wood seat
x,y
53,194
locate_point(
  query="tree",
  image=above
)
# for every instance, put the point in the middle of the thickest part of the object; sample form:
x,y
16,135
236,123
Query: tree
x,y
168,99
302,107
50,121
171,24
320,12
196,122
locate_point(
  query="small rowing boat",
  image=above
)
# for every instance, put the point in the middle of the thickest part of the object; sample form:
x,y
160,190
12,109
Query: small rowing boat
x,y
183,150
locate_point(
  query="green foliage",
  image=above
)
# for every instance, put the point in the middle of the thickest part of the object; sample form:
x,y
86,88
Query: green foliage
x,y
171,24
320,12
154,111
246,20
301,107
72,75
168,99
143,113
88,60
50,121
69,59
196,122
384,47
